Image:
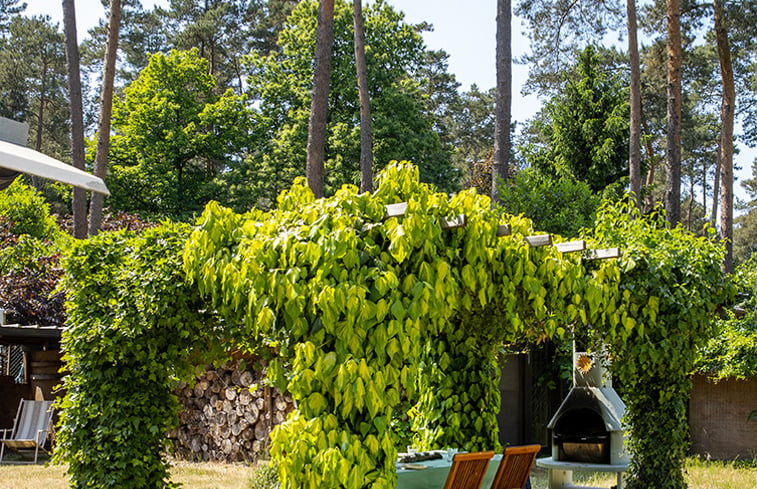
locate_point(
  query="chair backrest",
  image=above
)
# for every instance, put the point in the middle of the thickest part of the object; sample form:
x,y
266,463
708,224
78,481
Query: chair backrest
x,y
468,470
515,466
32,416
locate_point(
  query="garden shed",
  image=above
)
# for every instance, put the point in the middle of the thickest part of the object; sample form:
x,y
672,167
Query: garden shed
x,y
31,360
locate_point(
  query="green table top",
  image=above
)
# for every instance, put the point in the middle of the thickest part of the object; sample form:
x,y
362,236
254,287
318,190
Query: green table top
x,y
435,474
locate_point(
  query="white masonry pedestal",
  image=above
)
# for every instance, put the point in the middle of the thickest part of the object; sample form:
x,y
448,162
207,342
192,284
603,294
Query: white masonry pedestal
x,y
561,473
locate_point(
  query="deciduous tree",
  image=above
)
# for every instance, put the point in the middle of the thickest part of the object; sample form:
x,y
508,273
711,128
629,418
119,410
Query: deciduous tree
x,y
175,140
403,126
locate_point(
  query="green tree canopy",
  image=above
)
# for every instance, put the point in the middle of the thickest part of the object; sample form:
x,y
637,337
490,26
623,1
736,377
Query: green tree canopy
x,y
175,140
8,8
558,30
33,85
583,134
403,126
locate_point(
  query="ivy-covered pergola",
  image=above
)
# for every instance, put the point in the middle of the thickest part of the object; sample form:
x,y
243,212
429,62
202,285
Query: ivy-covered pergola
x,y
358,304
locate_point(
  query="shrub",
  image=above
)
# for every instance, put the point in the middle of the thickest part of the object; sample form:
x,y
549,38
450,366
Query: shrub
x,y
732,352
29,273
264,476
561,206
27,212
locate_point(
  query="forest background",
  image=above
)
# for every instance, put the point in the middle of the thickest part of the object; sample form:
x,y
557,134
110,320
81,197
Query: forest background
x,y
456,52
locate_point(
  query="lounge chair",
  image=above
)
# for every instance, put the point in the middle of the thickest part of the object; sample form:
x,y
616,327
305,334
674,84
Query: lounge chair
x,y
515,466
30,427
468,470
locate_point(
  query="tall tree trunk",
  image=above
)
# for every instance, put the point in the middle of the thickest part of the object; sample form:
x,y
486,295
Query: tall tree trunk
x,y
704,192
36,181
319,103
634,149
366,138
715,193
501,162
212,57
77,115
106,106
725,155
41,112
238,72
673,153
690,209
648,182
652,163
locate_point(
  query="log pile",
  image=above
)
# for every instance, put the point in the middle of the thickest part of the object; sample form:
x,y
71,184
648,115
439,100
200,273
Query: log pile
x,y
227,415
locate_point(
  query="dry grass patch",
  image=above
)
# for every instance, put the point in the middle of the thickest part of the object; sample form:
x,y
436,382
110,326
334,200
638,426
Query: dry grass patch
x,y
193,475
32,477
699,475
721,475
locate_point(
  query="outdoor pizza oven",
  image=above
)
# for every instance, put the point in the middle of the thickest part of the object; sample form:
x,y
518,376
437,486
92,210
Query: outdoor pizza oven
x,y
587,427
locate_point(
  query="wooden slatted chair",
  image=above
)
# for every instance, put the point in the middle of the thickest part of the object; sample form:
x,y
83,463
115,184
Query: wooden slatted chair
x,y
30,427
468,470
515,467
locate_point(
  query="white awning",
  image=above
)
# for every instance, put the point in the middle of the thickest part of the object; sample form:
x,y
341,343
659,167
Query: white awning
x,y
26,160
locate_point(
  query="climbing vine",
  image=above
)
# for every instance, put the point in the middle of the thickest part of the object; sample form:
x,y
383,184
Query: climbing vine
x,y
353,302
670,286
732,352
358,309
134,327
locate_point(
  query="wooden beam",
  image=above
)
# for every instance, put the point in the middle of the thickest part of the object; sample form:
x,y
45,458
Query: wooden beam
x,y
540,240
571,246
504,230
395,210
602,254
398,210
453,222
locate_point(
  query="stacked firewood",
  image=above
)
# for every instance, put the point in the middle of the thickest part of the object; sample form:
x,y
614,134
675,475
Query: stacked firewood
x,y
227,415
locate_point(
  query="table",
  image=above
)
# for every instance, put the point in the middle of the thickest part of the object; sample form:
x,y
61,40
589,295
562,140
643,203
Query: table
x,y
436,474
561,473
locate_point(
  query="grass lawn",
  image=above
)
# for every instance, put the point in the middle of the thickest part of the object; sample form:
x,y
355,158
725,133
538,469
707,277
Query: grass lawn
x,y
700,475
190,475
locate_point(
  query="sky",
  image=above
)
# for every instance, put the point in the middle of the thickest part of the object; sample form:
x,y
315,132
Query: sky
x,y
465,30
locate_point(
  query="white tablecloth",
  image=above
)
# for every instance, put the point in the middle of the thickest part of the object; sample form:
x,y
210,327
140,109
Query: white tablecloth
x,y
435,474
